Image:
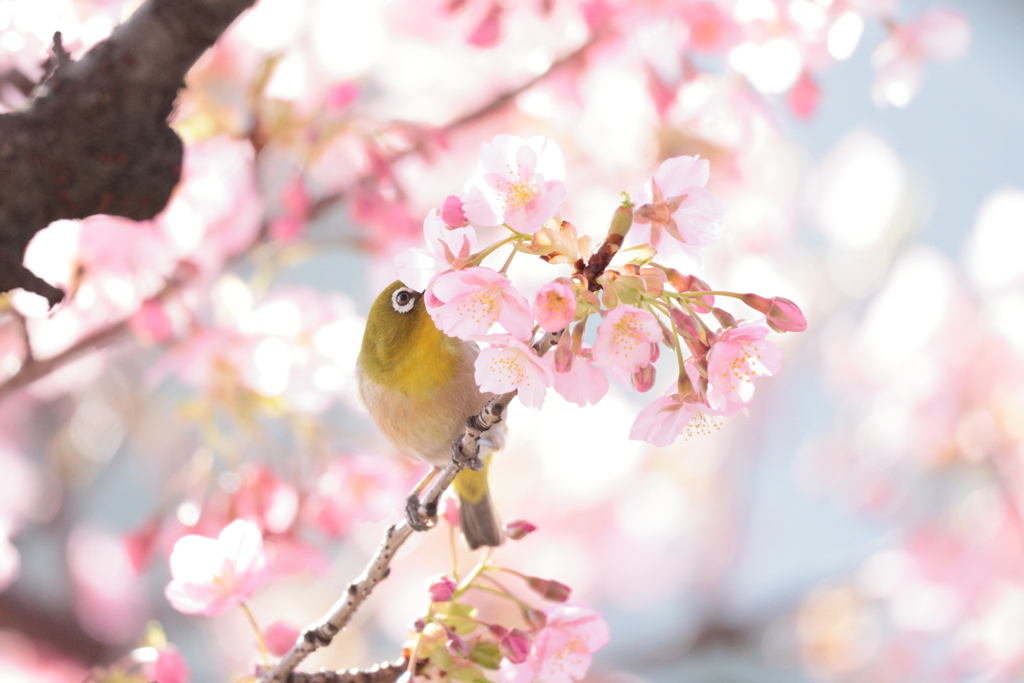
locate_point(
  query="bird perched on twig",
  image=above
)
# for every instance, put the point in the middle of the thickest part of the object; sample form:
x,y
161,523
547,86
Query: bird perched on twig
x,y
419,387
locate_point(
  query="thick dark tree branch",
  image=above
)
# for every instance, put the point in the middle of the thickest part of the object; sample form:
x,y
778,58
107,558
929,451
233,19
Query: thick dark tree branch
x,y
96,140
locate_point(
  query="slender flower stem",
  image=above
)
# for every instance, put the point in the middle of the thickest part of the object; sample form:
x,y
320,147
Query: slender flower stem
x,y
259,634
508,261
455,553
477,258
477,571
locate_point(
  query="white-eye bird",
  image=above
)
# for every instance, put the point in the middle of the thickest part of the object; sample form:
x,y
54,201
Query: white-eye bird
x,y
419,387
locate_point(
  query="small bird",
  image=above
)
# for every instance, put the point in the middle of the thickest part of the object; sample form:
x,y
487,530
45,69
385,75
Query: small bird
x,y
419,387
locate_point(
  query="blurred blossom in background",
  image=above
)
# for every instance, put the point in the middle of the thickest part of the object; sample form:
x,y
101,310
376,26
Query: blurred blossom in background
x,y
861,523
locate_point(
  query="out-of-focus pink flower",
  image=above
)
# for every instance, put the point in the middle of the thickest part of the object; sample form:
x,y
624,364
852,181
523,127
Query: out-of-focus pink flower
x,y
803,96
675,214
583,383
109,596
625,337
739,356
341,96
441,588
562,650
280,636
465,303
554,306
169,667
488,31
712,28
210,576
356,488
510,364
520,183
265,497
940,34
296,203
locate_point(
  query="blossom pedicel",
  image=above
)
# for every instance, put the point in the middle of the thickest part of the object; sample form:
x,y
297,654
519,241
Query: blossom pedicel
x,y
631,285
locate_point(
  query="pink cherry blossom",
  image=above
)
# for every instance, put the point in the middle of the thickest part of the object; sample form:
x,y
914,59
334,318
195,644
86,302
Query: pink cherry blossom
x,y
624,339
583,383
447,247
661,421
554,306
210,576
510,364
520,183
465,303
740,355
675,214
562,650
356,488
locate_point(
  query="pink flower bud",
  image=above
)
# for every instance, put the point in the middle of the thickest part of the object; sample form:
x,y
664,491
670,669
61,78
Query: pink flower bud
x,y
701,304
535,618
280,637
419,624
622,220
724,318
452,213
786,316
515,646
554,306
340,96
681,283
783,315
518,529
643,379
655,352
497,630
548,589
456,645
441,588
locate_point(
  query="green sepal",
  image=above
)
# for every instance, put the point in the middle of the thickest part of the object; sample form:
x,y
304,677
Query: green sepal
x,y
486,654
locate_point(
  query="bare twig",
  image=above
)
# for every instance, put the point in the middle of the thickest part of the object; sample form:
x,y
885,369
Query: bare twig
x,y
385,672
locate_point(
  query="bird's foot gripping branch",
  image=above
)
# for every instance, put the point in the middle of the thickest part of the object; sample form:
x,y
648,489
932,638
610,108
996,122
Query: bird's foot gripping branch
x,y
632,284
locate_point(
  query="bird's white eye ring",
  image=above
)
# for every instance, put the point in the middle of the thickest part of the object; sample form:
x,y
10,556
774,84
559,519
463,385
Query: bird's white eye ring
x,y
403,300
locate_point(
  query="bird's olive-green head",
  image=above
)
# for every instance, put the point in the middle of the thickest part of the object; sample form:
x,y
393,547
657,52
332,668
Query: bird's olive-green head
x,y
402,348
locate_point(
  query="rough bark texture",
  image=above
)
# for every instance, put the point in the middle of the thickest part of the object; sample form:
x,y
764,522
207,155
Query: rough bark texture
x,y
95,139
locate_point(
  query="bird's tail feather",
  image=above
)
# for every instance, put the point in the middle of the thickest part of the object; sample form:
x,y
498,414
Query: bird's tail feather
x,y
479,520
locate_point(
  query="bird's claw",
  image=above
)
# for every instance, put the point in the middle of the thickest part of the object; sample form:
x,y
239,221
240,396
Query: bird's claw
x,y
420,517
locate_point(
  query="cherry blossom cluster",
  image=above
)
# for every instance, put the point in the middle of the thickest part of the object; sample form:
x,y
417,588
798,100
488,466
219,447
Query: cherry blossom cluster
x,y
637,299
552,643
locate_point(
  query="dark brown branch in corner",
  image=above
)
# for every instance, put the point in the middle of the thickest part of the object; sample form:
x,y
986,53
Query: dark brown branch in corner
x,y
96,139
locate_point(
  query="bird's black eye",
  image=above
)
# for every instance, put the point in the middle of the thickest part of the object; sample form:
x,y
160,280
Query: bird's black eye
x,y
403,300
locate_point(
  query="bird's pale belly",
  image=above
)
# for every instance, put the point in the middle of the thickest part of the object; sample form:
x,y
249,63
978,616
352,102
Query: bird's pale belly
x,y
425,426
